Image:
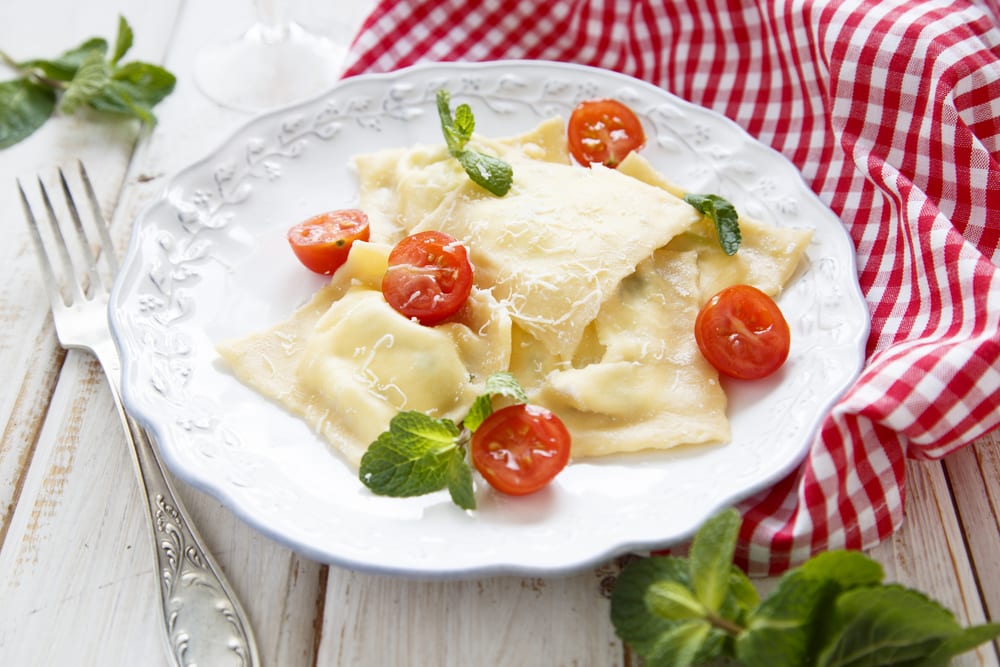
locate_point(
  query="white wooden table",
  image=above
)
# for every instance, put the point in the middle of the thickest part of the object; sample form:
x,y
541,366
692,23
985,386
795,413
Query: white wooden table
x,y
76,573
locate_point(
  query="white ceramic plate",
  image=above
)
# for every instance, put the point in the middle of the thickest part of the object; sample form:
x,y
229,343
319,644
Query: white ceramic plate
x,y
208,261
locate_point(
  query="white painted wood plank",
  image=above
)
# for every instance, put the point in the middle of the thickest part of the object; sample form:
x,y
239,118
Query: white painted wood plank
x,y
76,558
77,555
78,550
974,473
94,503
27,30
499,621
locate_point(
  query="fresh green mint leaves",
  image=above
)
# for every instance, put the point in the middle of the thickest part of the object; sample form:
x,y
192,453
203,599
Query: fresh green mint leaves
x,y
725,217
420,455
833,611
491,173
86,75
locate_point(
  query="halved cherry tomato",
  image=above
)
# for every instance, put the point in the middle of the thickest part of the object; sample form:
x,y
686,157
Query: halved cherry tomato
x,y
603,131
520,448
429,277
742,332
323,241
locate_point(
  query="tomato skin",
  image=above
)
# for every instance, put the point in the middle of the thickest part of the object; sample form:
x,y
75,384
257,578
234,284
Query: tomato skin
x,y
603,131
742,332
519,449
429,277
323,241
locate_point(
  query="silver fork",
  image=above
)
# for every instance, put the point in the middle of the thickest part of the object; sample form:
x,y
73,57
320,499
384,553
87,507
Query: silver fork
x,y
203,620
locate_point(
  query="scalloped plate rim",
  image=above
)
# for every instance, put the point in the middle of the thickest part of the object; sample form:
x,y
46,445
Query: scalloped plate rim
x,y
327,550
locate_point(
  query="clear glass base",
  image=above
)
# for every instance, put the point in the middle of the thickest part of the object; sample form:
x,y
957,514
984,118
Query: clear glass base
x,y
269,67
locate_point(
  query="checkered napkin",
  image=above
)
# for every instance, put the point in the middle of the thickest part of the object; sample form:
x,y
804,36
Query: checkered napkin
x,y
891,110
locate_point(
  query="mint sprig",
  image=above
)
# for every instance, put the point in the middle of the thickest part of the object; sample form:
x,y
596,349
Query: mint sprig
x,y
83,76
833,611
492,173
725,217
420,454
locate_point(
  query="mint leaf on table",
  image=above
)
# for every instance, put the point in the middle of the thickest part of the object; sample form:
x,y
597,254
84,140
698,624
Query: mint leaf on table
x,y
632,609
783,629
84,75
491,173
966,640
676,611
27,106
135,88
892,625
123,41
833,611
725,217
787,627
849,569
711,558
90,79
65,66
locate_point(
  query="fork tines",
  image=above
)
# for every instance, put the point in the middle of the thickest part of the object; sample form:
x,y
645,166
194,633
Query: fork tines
x,y
79,241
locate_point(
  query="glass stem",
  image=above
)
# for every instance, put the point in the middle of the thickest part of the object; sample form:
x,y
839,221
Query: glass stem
x,y
272,19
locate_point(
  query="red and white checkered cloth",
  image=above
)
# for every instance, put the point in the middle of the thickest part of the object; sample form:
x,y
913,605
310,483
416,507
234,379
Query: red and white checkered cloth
x,y
891,109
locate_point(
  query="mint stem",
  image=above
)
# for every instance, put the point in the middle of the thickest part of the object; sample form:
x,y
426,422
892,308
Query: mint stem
x,y
724,624
32,73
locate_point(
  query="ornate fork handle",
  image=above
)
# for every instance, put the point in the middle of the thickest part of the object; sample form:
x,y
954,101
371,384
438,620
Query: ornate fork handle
x,y
204,621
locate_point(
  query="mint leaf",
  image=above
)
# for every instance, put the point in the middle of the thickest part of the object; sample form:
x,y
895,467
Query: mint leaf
x,y
725,217
790,625
655,612
781,632
711,558
481,408
742,598
88,82
65,66
82,75
830,612
465,122
680,646
134,89
453,139
27,105
417,455
635,623
123,42
501,383
490,173
886,625
460,483
849,569
967,640
674,601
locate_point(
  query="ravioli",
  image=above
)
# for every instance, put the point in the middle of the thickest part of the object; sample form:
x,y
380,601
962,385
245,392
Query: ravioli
x,y
346,362
587,286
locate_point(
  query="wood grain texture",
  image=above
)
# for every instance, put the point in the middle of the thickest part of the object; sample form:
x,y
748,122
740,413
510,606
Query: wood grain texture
x,y
974,477
502,621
